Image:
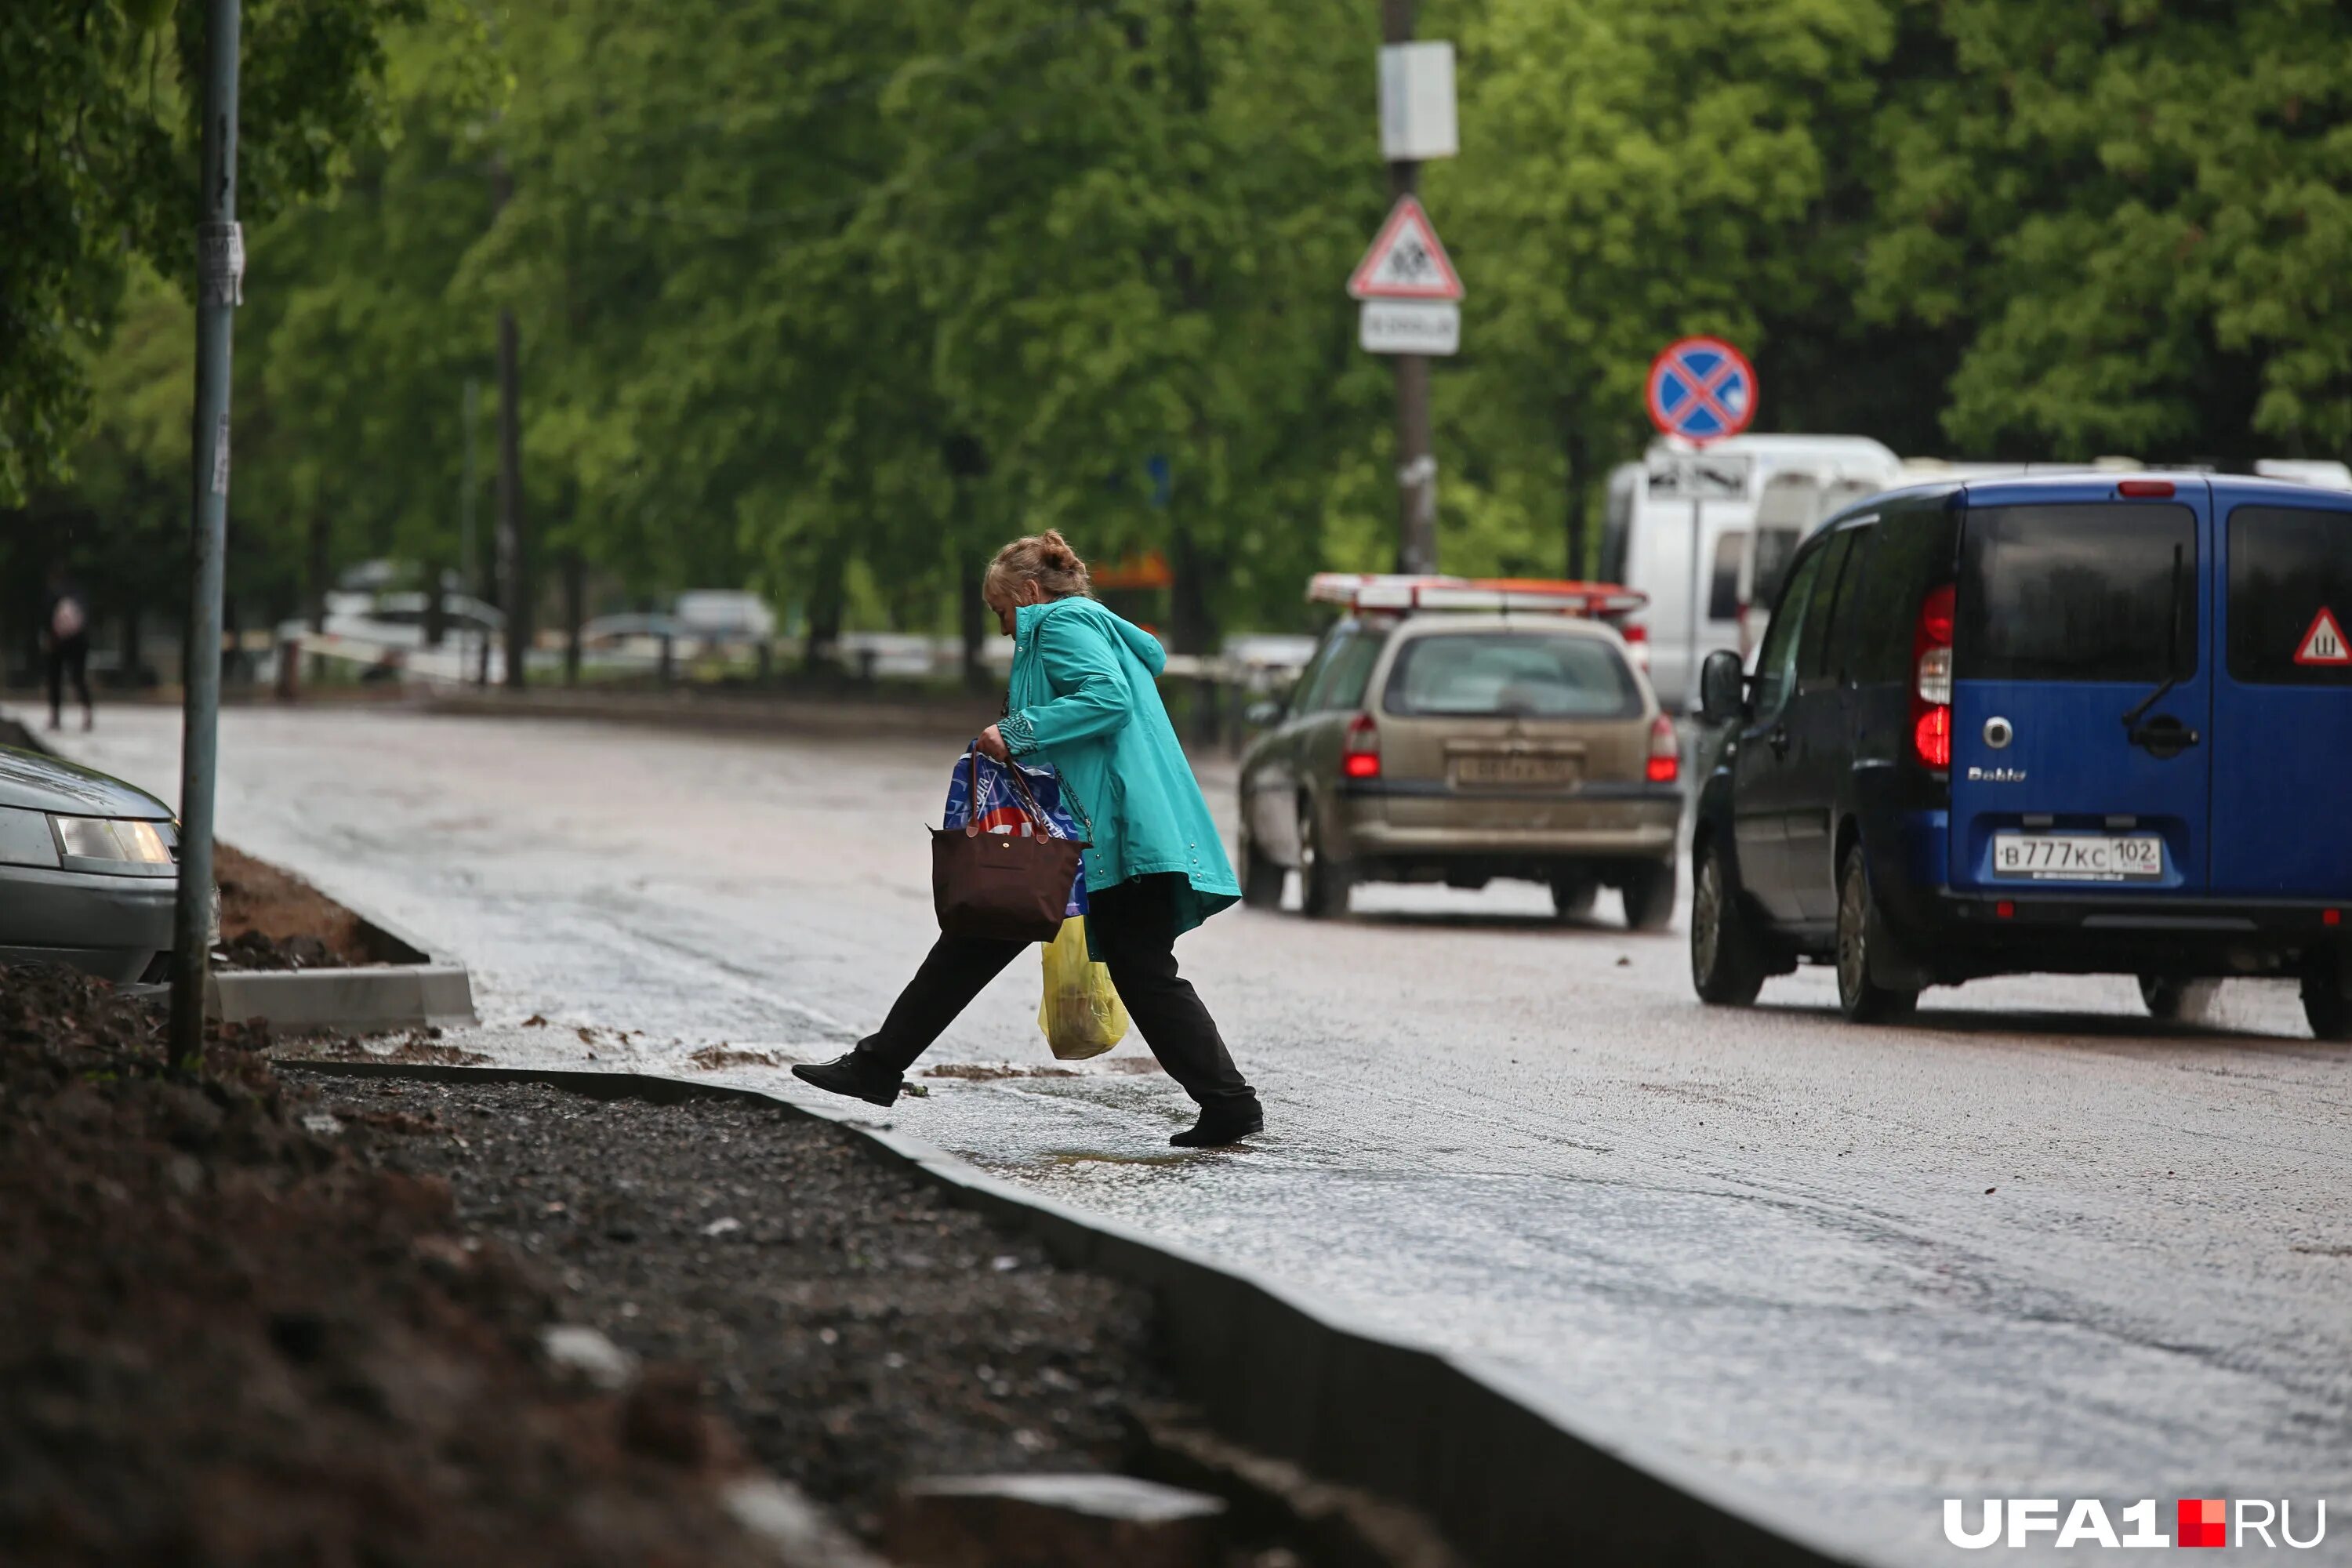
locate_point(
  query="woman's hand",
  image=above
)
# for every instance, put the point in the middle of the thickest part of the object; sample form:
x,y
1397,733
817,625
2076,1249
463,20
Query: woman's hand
x,y
991,745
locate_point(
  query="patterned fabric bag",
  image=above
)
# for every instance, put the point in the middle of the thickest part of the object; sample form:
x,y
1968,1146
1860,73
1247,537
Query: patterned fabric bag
x,y
1000,810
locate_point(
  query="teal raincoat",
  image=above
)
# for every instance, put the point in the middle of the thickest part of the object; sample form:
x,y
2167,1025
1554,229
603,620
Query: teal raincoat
x,y
1082,697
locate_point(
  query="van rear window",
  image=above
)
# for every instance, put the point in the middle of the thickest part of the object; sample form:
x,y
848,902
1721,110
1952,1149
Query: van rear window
x,y
2097,591
2288,567
1532,675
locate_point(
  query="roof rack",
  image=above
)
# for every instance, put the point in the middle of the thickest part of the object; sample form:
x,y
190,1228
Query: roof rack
x,y
1403,594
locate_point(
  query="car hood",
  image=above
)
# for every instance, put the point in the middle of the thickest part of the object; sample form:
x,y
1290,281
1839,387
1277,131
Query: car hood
x,y
31,782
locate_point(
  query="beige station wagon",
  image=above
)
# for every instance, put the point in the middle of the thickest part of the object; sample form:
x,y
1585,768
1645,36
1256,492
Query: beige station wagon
x,y
1438,746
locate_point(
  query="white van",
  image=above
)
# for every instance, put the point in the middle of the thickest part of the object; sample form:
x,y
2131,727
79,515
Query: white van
x,y
1747,503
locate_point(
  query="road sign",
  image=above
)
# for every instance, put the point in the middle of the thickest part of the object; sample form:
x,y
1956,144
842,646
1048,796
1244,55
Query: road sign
x,y
1696,476
1417,102
2324,643
1405,261
1411,326
1702,389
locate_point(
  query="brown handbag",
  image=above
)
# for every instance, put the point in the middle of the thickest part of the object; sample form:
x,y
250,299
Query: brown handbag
x,y
1012,887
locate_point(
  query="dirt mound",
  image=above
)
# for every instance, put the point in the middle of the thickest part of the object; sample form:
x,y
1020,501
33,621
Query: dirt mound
x,y
224,1340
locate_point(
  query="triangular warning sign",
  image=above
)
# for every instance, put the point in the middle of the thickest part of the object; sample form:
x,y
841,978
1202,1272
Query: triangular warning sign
x,y
1406,261
2324,643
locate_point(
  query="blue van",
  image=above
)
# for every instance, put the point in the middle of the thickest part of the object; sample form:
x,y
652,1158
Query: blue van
x,y
2085,725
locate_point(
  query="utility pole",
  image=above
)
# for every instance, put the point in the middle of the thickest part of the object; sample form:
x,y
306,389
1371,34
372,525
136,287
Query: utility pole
x,y
1416,462
220,274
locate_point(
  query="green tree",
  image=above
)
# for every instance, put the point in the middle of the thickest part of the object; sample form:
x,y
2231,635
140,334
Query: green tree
x,y
2137,217
98,164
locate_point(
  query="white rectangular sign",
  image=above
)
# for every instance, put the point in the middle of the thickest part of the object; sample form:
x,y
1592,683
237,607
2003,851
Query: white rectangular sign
x,y
1696,476
1417,101
1411,326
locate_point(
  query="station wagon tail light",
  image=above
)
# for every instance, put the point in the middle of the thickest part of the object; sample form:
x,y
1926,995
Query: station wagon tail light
x,y
1360,757
1666,762
1931,685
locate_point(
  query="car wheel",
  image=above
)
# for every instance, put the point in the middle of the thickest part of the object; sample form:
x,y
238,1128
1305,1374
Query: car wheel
x,y
1261,878
1649,894
2178,1001
1572,893
2327,1001
1323,879
1726,969
1859,929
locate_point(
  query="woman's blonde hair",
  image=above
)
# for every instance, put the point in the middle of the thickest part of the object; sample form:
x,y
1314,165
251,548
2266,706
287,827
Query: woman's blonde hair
x,y
1045,559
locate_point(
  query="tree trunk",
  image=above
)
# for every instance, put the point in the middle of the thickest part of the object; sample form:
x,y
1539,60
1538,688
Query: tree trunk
x,y
318,571
972,616
514,544
575,611
822,652
1576,445
1191,624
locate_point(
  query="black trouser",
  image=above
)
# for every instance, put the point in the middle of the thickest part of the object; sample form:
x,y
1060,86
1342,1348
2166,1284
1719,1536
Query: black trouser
x,y
1134,930
68,657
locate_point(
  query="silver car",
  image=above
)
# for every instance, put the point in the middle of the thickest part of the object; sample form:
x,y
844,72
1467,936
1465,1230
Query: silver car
x,y
89,867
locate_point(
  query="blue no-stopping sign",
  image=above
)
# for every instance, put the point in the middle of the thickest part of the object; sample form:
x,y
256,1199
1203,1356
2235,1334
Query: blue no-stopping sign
x,y
1702,389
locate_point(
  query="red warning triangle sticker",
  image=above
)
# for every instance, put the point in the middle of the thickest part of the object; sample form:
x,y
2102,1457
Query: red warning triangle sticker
x,y
1405,261
2324,643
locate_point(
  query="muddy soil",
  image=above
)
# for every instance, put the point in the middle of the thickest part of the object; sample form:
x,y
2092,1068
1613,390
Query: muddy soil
x,y
229,1337
273,920
859,1331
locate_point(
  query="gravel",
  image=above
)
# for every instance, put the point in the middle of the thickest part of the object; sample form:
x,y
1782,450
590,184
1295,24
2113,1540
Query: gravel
x,y
854,1327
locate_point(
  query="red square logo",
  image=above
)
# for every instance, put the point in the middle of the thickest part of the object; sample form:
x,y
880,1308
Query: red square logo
x,y
2204,1522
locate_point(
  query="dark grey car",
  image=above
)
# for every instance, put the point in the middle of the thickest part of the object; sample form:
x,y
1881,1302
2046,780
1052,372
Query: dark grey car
x,y
87,869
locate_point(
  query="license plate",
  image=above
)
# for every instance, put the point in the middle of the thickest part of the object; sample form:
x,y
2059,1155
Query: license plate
x,y
2078,857
1491,771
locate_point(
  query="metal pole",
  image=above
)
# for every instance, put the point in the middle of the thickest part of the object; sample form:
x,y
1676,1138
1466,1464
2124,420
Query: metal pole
x,y
220,252
1697,603
1416,463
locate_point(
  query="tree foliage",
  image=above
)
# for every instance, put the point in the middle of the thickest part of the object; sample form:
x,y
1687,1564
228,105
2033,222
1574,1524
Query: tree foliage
x,y
830,298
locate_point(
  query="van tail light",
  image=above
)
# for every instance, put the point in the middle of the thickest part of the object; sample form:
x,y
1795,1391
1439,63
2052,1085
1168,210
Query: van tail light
x,y
1637,643
1931,684
1665,764
1360,757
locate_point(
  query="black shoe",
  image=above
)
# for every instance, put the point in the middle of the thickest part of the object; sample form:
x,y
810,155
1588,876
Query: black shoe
x,y
858,1078
1222,1123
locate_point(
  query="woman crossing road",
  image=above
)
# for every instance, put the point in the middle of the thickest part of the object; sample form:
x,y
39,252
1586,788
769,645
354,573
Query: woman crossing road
x,y
1081,697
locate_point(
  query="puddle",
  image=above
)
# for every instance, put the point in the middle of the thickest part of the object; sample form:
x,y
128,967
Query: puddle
x,y
1069,1157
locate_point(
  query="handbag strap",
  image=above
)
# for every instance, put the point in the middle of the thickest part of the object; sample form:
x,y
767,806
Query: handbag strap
x,y
1042,826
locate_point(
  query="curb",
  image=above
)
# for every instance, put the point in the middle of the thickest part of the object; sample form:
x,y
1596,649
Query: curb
x,y
1488,1455
412,989
399,996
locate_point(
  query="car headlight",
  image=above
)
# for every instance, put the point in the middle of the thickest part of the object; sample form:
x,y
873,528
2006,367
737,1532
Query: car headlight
x,y
112,838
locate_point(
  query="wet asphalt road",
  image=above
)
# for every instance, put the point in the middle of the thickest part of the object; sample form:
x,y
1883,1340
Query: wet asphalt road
x,y
2034,1246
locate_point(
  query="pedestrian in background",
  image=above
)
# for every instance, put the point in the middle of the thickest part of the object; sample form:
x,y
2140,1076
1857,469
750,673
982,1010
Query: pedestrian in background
x,y
65,640
1081,697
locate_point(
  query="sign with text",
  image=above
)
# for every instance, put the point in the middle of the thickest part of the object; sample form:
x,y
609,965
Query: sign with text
x,y
1411,326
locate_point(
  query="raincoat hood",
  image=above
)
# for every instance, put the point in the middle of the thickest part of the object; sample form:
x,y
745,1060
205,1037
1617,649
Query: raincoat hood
x,y
1146,648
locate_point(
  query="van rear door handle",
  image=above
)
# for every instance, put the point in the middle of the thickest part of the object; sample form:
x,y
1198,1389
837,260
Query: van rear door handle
x,y
2164,736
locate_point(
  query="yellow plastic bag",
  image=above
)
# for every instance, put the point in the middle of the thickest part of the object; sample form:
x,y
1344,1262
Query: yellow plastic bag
x,y
1081,1013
